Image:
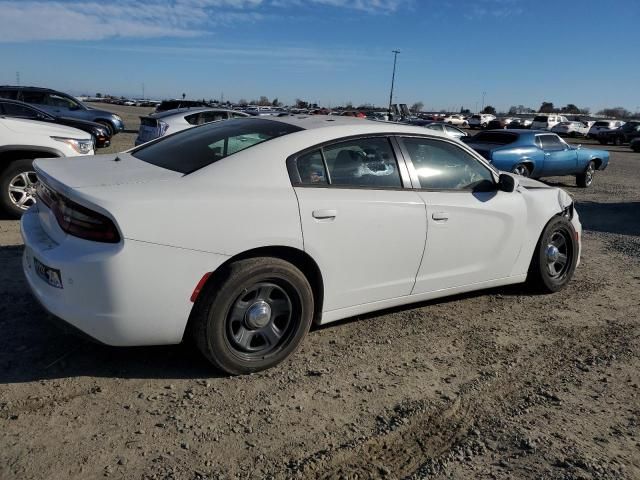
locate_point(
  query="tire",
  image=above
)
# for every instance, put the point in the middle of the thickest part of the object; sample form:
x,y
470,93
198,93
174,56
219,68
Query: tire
x,y
234,329
618,141
521,169
555,257
603,142
585,179
484,125
17,187
108,126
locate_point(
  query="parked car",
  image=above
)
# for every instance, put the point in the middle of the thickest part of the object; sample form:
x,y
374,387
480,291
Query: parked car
x,y
21,141
538,154
272,246
159,124
520,123
547,122
602,125
480,120
166,105
448,130
60,104
571,129
620,135
496,123
456,119
16,109
635,144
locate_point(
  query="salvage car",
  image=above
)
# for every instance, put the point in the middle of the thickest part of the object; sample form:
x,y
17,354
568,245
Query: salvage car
x,y
241,234
447,129
158,124
620,135
16,109
570,129
536,154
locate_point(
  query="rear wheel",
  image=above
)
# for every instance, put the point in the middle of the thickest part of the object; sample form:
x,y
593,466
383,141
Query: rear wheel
x,y
555,258
521,169
618,141
585,179
18,187
254,316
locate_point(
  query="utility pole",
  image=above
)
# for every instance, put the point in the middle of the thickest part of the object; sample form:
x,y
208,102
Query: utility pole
x,y
143,97
393,78
483,94
18,78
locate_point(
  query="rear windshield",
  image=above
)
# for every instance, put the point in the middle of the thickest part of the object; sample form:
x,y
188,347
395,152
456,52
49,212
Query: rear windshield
x,y
541,118
498,138
601,124
476,116
195,148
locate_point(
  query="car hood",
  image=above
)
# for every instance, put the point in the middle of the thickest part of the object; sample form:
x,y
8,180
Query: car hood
x,y
24,126
78,121
100,170
530,183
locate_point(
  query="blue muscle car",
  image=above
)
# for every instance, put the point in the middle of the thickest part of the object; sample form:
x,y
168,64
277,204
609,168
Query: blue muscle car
x,y
536,153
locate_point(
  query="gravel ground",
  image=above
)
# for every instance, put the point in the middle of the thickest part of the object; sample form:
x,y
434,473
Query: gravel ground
x,y
497,384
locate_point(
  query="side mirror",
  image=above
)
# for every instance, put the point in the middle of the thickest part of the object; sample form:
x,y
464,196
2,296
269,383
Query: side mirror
x,y
506,183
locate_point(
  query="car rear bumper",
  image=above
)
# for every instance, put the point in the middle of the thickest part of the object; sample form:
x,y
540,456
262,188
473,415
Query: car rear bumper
x,y
132,293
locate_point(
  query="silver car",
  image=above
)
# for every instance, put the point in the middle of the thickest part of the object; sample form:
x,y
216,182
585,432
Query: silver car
x,y
171,121
447,129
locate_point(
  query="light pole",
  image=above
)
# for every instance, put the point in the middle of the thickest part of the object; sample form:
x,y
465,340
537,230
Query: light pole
x,y
483,94
393,79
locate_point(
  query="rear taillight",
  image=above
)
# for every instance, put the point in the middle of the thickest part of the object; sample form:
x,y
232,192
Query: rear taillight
x,y
77,220
162,127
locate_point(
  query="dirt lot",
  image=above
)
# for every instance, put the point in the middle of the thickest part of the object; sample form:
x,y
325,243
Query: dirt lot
x,y
499,384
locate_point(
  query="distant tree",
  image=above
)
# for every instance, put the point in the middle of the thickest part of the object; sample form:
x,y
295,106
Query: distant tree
x,y
615,112
184,96
264,101
301,103
417,107
243,102
465,111
275,102
585,111
513,110
547,107
349,105
489,109
98,95
570,108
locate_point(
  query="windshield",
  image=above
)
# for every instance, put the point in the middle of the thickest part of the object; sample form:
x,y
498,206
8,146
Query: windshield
x,y
541,118
601,124
499,138
195,148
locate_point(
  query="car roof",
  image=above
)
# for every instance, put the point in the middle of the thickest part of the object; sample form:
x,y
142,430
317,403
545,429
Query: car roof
x,y
20,87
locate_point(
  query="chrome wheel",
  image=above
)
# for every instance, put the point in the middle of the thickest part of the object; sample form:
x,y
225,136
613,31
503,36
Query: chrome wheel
x,y
589,173
558,254
521,169
22,189
260,320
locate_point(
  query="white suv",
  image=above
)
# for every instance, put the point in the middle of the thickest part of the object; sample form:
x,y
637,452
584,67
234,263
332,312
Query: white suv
x,y
23,140
547,122
480,120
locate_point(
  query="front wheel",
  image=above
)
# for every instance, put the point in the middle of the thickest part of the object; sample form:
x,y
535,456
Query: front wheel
x,y
254,316
585,179
618,141
18,187
555,258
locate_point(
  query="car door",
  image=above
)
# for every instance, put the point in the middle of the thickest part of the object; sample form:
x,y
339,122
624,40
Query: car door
x,y
474,231
559,157
360,223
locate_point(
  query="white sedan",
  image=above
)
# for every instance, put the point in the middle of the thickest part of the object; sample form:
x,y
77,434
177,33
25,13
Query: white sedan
x,y
459,120
171,121
570,129
243,233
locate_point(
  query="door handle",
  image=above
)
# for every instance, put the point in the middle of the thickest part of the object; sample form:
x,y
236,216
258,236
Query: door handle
x,y
440,216
324,214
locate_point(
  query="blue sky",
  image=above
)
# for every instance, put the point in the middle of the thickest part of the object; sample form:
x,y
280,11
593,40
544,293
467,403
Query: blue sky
x,y
331,51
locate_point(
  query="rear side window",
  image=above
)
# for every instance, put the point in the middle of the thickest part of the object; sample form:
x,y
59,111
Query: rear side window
x,y
10,94
366,162
39,98
311,169
195,148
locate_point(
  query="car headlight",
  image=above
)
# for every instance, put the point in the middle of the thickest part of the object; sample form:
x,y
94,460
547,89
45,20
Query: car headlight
x,y
81,146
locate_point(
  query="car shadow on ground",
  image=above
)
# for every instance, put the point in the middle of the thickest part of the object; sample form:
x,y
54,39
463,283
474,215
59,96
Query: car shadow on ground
x,y
33,348
619,218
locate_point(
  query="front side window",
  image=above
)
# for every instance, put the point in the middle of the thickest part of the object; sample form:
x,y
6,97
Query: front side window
x,y
551,142
59,101
366,162
443,166
195,148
